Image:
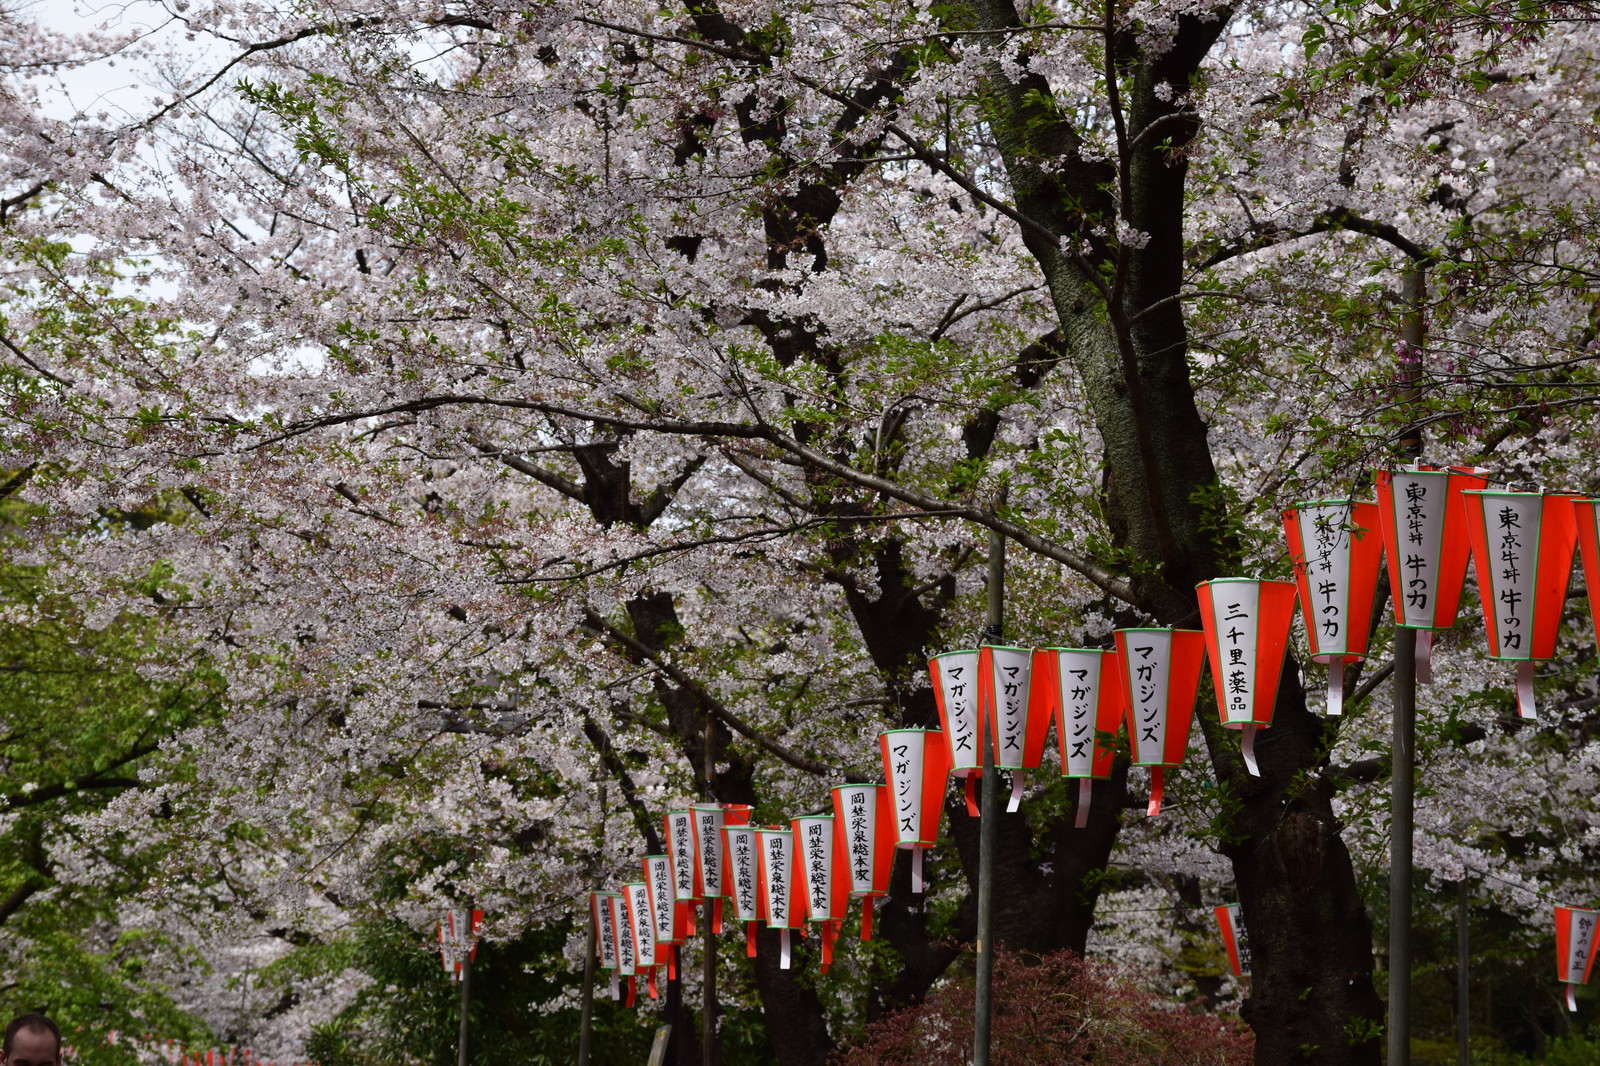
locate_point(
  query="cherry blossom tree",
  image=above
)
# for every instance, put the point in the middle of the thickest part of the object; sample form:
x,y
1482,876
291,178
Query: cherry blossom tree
x,y
575,410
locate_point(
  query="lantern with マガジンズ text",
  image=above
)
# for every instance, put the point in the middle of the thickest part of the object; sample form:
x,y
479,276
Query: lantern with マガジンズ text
x,y
916,769
1015,722
1247,624
1522,550
863,844
1160,674
1337,550
826,895
1575,943
1425,541
1233,938
955,690
1080,688
782,902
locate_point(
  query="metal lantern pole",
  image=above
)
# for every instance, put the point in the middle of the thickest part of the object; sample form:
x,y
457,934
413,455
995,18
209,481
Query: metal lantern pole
x,y
988,820
586,1025
1403,755
466,992
708,1005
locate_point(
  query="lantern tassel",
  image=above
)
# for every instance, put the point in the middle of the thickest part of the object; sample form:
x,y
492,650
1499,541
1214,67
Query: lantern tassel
x,y
750,940
866,918
633,992
672,962
1085,792
916,870
970,791
1572,999
716,915
615,989
1336,688
1247,747
830,936
689,919
1019,782
1157,785
650,983
1425,656
1525,704
784,949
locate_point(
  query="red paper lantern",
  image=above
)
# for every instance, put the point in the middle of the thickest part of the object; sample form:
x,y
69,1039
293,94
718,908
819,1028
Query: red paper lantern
x,y
627,955
686,887
605,933
1079,688
740,878
1233,938
1160,674
825,895
916,766
955,690
458,939
1246,623
666,915
782,899
1336,549
1522,546
1584,511
709,818
863,844
1017,722
1575,943
1425,540
641,923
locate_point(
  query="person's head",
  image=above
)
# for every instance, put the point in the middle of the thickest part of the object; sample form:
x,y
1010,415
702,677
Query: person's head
x,y
31,1040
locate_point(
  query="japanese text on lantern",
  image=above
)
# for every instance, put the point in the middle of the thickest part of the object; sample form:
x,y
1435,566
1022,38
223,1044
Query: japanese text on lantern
x,y
959,702
1419,562
660,869
682,856
1508,527
1010,696
1327,539
624,939
608,933
744,881
1147,706
817,862
907,789
777,880
710,852
643,931
1578,940
1240,650
856,822
1080,713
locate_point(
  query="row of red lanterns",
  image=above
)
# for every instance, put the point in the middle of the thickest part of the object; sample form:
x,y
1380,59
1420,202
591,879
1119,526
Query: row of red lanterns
x,y
1431,521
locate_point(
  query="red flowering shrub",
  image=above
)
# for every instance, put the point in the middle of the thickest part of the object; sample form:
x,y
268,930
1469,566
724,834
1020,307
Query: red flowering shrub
x,y
1051,1010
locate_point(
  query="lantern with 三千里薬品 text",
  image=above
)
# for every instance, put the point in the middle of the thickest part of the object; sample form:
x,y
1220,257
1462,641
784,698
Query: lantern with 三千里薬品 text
x,y
1080,688
1159,670
1246,623
1575,942
916,769
863,844
1336,549
1522,545
1425,539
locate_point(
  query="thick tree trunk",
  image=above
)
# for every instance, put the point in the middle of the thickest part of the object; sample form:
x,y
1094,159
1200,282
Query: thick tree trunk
x,y
1311,999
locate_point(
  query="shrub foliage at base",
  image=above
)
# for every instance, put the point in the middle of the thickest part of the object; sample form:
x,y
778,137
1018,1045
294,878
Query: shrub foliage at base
x,y
1050,1010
